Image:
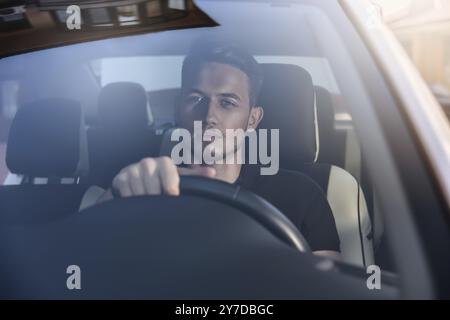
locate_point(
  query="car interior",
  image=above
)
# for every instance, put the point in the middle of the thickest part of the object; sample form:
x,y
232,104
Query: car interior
x,y
124,134
56,172
59,142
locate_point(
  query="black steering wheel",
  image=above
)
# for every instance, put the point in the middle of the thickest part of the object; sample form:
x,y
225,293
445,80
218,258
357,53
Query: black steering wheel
x,y
246,201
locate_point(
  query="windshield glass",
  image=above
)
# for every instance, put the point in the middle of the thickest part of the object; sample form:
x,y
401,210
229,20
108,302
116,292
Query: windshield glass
x,y
288,71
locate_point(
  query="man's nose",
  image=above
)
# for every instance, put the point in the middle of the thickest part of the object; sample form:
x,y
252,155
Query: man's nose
x,y
210,114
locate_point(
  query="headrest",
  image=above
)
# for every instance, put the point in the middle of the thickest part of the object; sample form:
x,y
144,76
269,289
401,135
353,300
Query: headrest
x,y
288,99
48,139
123,105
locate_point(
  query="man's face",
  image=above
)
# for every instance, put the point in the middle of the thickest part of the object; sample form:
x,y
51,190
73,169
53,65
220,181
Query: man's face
x,y
219,98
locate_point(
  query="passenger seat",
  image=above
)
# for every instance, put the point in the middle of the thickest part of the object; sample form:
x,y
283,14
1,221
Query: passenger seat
x,y
47,145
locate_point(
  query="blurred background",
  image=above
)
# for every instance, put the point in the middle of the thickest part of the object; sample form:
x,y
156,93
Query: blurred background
x,y
423,28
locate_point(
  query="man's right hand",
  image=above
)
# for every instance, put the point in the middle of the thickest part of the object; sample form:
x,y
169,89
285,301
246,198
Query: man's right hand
x,y
153,176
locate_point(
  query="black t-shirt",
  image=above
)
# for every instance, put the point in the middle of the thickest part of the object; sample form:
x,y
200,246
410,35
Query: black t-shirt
x,y
300,199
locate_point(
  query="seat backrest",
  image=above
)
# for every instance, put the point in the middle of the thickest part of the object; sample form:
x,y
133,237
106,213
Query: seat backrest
x,y
47,142
123,134
289,100
335,147
36,204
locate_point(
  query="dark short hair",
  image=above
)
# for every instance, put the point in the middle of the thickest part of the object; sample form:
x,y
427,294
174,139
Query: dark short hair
x,y
226,53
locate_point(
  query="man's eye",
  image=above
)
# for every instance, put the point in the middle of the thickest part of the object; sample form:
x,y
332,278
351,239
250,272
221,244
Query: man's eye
x,y
192,101
225,103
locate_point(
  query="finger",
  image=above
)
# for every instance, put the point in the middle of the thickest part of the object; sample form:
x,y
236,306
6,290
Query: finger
x,y
152,184
150,177
121,185
125,191
198,171
136,181
170,179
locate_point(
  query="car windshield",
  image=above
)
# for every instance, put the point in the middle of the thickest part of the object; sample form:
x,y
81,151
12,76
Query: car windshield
x,y
311,57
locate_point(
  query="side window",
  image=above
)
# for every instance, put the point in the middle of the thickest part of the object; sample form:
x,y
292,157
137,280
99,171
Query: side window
x,y
423,28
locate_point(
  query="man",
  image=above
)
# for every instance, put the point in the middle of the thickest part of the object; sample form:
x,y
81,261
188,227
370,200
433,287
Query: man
x,y
220,86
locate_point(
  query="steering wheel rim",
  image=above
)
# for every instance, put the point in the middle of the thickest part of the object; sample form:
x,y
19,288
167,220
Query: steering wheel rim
x,y
250,203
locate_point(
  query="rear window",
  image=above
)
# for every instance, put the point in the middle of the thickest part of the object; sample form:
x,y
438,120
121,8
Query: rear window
x,y
164,72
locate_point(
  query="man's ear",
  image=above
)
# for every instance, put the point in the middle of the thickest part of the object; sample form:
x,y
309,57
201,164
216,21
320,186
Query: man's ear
x,y
256,115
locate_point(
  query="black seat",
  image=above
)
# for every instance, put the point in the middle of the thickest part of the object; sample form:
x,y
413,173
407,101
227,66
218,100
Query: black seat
x,y
47,141
288,97
123,134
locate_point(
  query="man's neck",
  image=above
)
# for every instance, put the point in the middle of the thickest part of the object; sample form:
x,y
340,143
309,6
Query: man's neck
x,y
227,172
